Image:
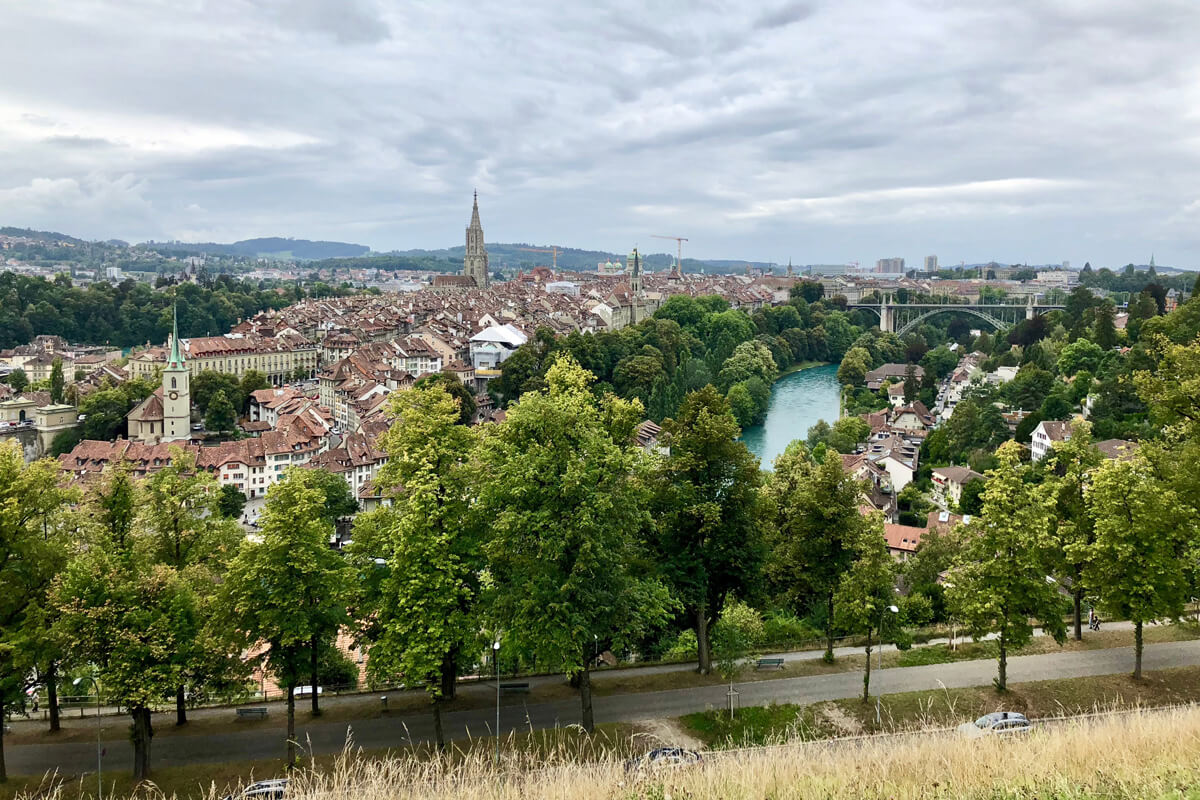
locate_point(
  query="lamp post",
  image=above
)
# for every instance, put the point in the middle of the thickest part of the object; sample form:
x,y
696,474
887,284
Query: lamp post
x,y
894,610
496,661
99,780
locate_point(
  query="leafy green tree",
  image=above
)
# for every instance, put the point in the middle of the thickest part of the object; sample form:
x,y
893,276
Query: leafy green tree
x,y
230,502
58,383
1139,567
290,590
425,613
1080,354
18,380
1070,465
32,551
971,499
461,394
735,635
854,367
818,433
709,540
178,515
1104,328
125,615
207,383
567,504
220,416
814,523
252,381
847,433
911,384
1000,581
866,593
742,405
749,360
340,501
939,362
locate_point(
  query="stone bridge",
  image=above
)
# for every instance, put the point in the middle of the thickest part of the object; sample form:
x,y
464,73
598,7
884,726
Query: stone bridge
x,y
909,315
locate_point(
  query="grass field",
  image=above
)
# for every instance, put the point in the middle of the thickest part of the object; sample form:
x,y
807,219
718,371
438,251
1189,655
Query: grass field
x,y
1142,755
917,710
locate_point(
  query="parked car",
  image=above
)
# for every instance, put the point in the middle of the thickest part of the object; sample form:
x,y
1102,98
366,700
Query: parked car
x,y
273,789
665,758
198,427
998,723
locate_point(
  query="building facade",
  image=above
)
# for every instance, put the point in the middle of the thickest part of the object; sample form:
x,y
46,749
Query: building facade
x,y
475,260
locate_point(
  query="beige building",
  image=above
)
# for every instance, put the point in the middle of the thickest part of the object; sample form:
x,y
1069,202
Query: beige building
x,y
279,358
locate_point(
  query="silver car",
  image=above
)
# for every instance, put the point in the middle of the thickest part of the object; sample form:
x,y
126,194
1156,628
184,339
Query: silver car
x,y
262,790
998,723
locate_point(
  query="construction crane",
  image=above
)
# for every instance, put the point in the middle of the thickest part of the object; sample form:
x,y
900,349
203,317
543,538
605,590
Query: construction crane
x,y
679,240
554,250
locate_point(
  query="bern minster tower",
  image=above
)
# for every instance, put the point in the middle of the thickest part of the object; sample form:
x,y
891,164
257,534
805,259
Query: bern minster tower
x,y
475,262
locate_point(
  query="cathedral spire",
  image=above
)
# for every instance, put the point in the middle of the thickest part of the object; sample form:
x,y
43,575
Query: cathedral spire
x,y
175,361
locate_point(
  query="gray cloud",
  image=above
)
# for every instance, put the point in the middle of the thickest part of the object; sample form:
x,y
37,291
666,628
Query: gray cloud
x,y
821,131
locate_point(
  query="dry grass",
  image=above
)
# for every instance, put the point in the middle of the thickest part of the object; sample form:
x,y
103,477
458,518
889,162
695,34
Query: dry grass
x,y
1143,755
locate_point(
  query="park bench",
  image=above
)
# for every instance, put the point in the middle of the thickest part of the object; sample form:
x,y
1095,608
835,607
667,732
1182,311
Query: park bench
x,y
522,688
259,712
763,663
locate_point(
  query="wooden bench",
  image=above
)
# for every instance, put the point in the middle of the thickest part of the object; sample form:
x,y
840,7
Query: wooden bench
x,y
259,712
763,663
522,688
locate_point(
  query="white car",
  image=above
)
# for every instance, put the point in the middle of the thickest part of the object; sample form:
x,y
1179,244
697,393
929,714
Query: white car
x,y
998,723
262,790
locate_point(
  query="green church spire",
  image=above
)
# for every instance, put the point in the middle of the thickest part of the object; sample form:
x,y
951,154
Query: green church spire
x,y
176,359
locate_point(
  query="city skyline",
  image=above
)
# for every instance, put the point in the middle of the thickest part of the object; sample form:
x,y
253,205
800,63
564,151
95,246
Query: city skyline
x,y
819,133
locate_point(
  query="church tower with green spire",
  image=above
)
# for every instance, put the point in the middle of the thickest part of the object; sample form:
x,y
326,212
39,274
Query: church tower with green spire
x,y
176,391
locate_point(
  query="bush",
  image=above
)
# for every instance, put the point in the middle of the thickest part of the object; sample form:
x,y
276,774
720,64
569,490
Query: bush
x,y
781,629
684,647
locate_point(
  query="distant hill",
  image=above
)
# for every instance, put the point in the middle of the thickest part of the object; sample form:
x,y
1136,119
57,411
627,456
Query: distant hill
x,y
269,247
41,236
502,254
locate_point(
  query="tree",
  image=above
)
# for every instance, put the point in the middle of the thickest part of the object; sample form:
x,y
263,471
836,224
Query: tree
x,y
230,502
457,389
1139,567
742,405
251,382
866,593
220,416
178,516
57,382
818,433
709,541
814,524
125,615
847,432
853,369
1000,578
32,551
735,635
340,501
1070,465
750,359
205,385
18,380
290,590
911,384
567,504
426,615
1079,355
1104,329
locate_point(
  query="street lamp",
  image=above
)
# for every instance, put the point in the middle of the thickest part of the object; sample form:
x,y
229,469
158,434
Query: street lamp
x,y
99,780
894,610
496,661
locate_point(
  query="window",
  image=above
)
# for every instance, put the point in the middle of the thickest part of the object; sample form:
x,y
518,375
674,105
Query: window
x,y
173,383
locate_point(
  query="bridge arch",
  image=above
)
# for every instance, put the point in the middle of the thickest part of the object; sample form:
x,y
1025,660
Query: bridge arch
x,y
911,325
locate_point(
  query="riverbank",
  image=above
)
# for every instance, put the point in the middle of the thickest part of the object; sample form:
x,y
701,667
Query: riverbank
x,y
799,366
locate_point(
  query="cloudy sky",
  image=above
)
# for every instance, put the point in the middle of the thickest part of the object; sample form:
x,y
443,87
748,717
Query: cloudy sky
x,y
820,131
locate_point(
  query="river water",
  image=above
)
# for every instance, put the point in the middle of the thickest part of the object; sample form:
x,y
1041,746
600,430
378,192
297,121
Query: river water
x,y
798,401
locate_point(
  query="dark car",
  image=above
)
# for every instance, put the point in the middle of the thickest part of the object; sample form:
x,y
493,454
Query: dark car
x,y
273,789
665,757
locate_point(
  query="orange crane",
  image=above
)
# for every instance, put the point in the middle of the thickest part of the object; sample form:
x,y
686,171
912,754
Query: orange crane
x,y
553,249
679,240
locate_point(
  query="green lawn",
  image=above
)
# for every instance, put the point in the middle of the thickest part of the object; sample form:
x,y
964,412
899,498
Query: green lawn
x,y
935,708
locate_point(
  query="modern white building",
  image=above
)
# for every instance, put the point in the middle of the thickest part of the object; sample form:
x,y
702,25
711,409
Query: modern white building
x,y
492,346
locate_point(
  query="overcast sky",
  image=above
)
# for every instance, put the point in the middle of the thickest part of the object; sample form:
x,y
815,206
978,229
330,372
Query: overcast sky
x,y
823,132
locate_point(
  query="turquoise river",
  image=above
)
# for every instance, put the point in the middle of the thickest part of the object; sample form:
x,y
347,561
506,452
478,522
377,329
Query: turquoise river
x,y
798,400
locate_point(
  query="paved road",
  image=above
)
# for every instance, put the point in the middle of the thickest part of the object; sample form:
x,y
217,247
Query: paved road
x,y
395,731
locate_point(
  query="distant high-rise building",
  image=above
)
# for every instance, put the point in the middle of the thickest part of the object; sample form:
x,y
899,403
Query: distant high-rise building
x,y
475,261
890,265
1067,264
931,264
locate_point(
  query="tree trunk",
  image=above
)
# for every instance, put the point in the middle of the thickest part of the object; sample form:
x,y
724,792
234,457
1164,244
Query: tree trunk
x,y
585,697
52,696
829,630
438,735
312,677
3,768
142,732
867,671
1002,683
703,655
180,706
1078,612
291,728
1137,650
450,676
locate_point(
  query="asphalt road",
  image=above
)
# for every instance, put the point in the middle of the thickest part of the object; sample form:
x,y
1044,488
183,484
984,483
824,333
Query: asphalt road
x,y
399,730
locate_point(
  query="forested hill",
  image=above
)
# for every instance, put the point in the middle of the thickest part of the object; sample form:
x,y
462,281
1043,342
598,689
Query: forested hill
x,y
270,247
